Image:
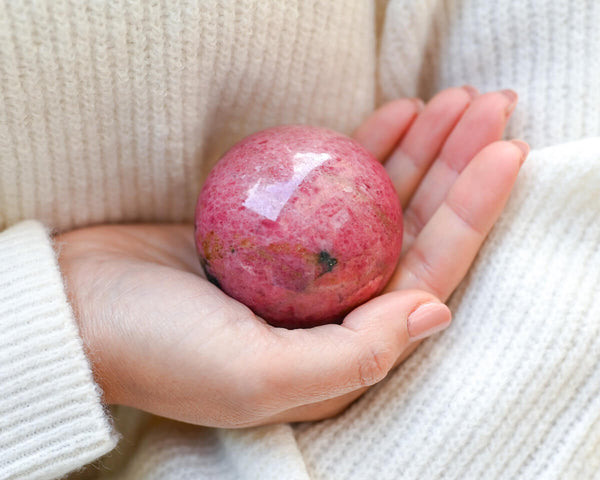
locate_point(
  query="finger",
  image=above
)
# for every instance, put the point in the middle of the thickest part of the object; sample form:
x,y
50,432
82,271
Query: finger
x,y
382,130
482,123
334,406
412,158
442,253
332,360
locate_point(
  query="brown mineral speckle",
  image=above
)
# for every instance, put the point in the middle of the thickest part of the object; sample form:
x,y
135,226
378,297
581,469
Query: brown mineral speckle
x,y
212,247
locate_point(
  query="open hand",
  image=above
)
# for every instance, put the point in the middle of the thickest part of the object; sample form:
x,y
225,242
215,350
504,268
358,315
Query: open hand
x,y
163,339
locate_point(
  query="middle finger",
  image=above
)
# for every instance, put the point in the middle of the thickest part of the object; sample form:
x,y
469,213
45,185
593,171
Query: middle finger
x,y
422,143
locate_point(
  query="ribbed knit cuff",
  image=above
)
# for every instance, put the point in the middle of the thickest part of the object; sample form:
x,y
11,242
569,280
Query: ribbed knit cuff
x,y
51,417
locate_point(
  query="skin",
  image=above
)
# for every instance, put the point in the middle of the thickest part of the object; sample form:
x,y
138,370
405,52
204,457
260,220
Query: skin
x,y
162,338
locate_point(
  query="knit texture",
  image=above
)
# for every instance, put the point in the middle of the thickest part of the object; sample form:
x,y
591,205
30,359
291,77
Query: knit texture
x,y
51,420
546,50
169,450
116,111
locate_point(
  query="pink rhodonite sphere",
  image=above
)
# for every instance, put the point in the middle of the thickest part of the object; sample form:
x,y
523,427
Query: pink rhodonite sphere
x,y
299,223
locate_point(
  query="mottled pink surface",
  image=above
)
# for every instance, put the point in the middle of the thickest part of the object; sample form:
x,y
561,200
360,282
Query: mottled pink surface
x,y
299,223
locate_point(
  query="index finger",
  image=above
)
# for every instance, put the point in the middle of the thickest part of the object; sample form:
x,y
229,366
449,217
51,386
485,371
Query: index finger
x,y
384,128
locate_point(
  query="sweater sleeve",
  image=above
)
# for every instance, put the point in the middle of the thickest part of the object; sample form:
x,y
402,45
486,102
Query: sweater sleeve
x,y
51,417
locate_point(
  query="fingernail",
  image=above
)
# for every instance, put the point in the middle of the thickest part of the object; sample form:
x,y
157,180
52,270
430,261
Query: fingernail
x,y
472,91
523,147
428,319
420,104
513,99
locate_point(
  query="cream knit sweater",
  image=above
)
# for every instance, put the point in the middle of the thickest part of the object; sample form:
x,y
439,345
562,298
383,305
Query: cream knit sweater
x,y
114,110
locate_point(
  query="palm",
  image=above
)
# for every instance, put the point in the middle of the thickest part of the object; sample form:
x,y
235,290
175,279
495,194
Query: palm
x,y
167,318
217,358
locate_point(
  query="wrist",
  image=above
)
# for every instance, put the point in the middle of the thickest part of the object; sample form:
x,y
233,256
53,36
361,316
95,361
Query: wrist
x,y
91,333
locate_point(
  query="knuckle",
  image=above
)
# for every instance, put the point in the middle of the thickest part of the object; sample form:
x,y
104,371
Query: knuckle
x,y
502,148
509,149
456,93
375,365
414,221
493,98
423,273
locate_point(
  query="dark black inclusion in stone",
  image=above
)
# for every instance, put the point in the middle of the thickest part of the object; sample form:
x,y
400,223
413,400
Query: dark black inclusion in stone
x,y
212,279
209,276
327,261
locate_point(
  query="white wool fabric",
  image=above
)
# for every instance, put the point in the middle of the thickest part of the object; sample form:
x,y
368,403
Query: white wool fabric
x,y
51,419
114,111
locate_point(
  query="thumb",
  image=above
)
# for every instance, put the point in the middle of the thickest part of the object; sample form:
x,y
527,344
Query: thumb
x,y
331,360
